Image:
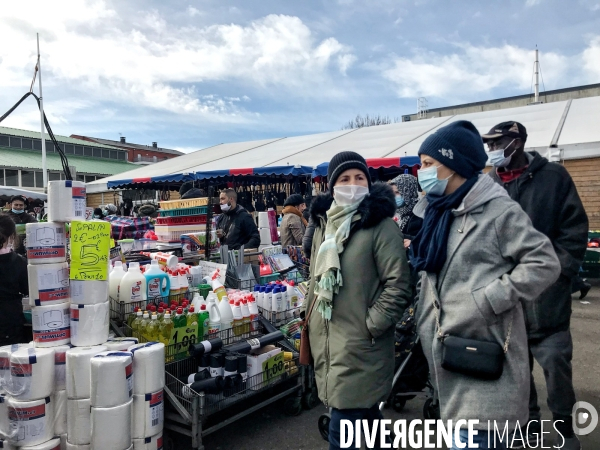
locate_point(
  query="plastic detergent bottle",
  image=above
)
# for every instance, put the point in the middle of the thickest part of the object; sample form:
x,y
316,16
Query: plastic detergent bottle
x,y
174,285
183,282
196,302
255,291
238,319
275,301
192,318
157,282
246,314
214,317
217,287
153,329
202,322
226,319
114,280
267,302
254,317
133,285
166,329
135,325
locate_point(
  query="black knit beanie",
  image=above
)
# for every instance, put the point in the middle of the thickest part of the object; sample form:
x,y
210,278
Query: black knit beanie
x,y
457,146
342,162
294,200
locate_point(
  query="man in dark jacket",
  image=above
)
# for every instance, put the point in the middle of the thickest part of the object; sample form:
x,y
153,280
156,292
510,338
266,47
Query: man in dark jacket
x,y
18,204
548,195
236,227
187,190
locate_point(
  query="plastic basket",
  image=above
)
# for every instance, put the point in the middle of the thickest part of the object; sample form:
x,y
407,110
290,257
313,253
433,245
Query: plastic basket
x,y
183,211
172,233
189,203
182,220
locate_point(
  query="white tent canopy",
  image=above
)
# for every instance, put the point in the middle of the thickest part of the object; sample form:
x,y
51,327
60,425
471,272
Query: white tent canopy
x,y
560,130
10,191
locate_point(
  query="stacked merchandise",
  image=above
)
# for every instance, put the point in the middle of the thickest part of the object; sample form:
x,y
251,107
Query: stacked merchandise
x,y
177,217
266,225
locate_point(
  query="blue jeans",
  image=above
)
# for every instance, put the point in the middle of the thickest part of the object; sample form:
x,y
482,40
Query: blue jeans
x,y
481,438
337,415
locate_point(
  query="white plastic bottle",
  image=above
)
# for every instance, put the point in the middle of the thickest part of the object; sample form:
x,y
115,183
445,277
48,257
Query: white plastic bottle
x,y
197,301
133,285
174,280
214,317
254,317
183,282
260,298
226,320
246,315
238,319
267,302
114,280
276,304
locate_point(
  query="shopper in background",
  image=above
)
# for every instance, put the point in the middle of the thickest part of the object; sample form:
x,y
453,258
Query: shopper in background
x,y
406,190
13,284
97,213
359,289
109,210
479,258
18,204
548,195
236,227
293,224
187,190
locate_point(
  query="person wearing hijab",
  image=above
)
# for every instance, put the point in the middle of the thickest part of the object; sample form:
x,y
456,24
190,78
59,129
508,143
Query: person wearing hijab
x,y
479,259
358,291
406,191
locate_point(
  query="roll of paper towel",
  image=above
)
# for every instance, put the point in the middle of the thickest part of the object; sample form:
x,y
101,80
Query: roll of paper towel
x,y
263,219
151,443
120,344
6,445
52,444
77,447
51,324
89,324
60,367
148,367
34,421
112,379
32,373
5,352
111,427
48,284
4,426
60,412
79,422
45,243
79,371
89,292
66,201
148,415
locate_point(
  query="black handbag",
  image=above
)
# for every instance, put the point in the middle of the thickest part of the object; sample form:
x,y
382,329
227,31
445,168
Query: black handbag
x,y
472,357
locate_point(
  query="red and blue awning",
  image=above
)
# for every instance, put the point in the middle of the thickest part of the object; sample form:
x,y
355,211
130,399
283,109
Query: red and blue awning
x,y
376,163
257,171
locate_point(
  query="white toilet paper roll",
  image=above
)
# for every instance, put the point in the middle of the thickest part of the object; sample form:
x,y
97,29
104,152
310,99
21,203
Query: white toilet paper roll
x,y
148,415
78,381
89,324
63,441
4,424
60,412
60,366
5,445
77,447
52,444
33,420
120,345
148,367
265,236
263,219
48,283
112,379
89,292
32,373
66,201
5,352
51,324
45,243
151,443
79,422
111,427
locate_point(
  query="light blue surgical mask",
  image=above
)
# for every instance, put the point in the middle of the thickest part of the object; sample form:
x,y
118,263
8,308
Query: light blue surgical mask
x,y
18,211
399,201
430,182
497,158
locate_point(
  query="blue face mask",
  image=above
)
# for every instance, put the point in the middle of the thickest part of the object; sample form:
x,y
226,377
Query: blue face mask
x,y
430,182
497,158
18,211
399,201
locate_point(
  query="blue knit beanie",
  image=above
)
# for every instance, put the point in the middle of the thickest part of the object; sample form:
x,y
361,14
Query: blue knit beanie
x,y
457,146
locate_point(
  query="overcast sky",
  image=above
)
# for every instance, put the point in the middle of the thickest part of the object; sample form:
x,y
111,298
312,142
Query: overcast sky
x,y
191,74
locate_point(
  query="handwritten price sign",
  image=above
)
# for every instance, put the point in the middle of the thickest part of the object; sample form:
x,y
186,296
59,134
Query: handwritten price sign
x,y
90,247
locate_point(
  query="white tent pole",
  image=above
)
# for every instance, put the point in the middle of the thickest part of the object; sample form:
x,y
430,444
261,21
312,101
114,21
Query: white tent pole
x,y
44,172
537,77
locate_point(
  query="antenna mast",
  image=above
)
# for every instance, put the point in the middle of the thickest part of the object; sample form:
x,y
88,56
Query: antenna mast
x,y
536,98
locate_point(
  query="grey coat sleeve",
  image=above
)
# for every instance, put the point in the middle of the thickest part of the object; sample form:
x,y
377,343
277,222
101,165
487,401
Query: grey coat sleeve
x,y
308,238
536,264
297,228
394,274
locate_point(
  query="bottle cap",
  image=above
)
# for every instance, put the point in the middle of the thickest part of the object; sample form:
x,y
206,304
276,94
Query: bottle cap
x,y
256,288
191,309
237,303
161,310
202,307
180,310
134,265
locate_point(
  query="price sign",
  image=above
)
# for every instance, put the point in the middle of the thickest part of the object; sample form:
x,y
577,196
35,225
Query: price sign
x,y
273,367
182,338
90,247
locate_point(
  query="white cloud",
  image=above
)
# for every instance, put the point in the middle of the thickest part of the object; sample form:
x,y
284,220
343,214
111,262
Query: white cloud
x,y
530,3
90,49
473,70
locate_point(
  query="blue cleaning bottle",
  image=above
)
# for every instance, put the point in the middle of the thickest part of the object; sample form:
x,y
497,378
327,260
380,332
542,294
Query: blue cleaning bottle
x,y
157,282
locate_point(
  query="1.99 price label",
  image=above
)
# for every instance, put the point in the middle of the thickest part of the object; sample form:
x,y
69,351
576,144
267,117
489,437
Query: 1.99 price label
x,y
182,338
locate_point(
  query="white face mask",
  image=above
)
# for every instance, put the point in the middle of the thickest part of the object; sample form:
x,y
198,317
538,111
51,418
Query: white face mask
x,y
226,207
349,194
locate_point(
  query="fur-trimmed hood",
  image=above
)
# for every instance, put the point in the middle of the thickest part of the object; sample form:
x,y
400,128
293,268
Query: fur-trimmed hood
x,y
379,204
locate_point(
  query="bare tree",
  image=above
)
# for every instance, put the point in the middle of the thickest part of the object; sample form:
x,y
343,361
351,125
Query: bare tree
x,y
368,121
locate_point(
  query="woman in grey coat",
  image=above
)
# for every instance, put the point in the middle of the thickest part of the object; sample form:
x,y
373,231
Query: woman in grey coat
x,y
479,258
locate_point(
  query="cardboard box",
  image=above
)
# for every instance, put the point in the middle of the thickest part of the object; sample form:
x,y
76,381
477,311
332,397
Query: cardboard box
x,y
258,360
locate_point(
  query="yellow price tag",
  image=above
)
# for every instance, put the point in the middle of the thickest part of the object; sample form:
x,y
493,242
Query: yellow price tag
x,y
182,338
90,249
273,367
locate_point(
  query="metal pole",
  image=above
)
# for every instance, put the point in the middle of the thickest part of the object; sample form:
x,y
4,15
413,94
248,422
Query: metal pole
x,y
537,77
44,172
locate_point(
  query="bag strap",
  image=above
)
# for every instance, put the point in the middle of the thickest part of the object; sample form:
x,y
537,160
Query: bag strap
x,y
441,336
312,305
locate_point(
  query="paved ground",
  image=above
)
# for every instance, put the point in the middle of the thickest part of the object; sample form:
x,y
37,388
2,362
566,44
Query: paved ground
x,y
270,429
